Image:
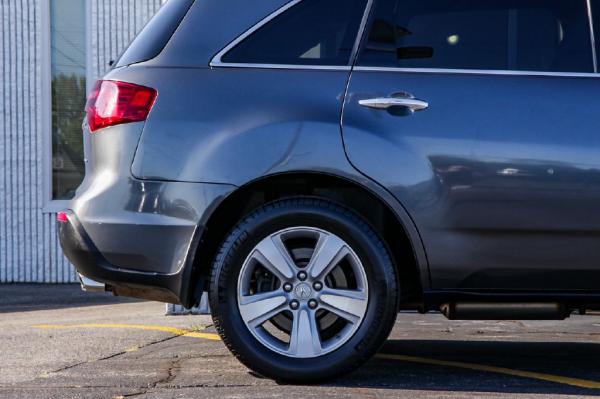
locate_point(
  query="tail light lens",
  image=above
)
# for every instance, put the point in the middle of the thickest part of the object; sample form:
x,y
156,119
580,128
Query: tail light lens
x,y
112,103
62,217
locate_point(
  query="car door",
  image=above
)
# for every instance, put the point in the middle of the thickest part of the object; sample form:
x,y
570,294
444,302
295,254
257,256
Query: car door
x,y
483,119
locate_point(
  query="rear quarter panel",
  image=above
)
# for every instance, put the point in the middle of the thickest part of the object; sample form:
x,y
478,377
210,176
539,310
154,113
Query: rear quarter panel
x,y
234,125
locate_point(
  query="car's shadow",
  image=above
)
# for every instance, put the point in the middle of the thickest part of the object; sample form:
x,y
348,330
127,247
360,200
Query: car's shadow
x,y
555,364
30,297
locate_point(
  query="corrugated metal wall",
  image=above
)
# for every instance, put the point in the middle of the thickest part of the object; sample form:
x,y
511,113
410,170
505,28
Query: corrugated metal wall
x,y
25,247
29,250
114,24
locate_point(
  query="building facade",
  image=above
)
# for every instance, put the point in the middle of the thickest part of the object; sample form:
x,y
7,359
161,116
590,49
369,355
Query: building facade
x,y
51,53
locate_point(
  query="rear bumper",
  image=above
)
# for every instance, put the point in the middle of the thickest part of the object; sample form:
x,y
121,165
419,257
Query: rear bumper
x,y
142,244
93,266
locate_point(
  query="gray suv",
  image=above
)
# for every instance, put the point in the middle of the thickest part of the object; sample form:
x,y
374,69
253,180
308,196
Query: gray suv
x,y
319,165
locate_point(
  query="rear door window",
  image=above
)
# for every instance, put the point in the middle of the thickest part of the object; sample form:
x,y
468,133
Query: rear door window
x,y
312,32
520,35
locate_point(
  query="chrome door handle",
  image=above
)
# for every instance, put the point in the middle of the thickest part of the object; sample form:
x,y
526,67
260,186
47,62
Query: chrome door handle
x,y
411,103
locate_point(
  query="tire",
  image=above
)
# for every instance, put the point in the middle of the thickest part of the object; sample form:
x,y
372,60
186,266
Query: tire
x,y
241,271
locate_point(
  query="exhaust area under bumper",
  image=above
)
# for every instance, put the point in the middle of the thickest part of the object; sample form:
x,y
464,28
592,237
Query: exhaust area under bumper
x,y
89,285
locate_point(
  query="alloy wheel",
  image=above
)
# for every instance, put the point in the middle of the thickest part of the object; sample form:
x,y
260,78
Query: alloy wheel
x,y
302,292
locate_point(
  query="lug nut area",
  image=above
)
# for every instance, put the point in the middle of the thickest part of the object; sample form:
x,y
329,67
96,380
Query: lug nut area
x,y
302,276
302,293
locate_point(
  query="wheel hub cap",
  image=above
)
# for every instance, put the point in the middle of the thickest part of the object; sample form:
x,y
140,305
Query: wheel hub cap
x,y
303,291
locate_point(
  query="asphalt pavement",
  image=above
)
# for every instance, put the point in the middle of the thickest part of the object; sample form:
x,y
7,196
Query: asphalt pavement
x,y
58,342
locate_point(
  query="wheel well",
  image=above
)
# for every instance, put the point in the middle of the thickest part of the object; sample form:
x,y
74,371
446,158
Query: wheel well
x,y
342,191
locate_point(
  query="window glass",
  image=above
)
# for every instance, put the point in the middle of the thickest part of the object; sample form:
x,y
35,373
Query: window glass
x,y
526,35
68,57
313,32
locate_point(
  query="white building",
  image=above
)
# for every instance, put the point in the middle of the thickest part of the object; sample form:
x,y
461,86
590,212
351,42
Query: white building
x,y
51,52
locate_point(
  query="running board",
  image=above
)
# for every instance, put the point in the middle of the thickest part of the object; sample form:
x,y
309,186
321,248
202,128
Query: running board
x,y
505,311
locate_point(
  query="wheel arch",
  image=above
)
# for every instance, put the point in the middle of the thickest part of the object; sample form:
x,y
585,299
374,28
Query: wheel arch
x,y
383,212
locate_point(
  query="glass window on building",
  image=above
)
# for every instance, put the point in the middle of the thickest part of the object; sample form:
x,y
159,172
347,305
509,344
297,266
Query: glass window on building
x,y
68,57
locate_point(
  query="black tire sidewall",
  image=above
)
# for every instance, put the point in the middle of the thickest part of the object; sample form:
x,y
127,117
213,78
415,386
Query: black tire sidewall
x,y
381,277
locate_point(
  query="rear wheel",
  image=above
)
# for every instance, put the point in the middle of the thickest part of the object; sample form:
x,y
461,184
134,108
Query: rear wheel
x,y
303,290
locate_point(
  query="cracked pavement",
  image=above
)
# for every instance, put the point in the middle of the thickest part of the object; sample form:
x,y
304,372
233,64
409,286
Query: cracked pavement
x,y
100,359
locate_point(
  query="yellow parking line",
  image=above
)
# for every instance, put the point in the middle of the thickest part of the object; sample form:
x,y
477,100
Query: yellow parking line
x,y
212,337
170,330
576,382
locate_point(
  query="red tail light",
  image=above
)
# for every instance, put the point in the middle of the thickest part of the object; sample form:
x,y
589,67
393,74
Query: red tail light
x,y
62,217
112,103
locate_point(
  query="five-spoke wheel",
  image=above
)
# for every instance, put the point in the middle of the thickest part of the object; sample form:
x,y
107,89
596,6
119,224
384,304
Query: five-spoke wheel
x,y
303,290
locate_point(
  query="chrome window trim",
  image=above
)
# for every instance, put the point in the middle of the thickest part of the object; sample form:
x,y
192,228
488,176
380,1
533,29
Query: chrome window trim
x,y
476,72
592,35
217,62
281,66
361,31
